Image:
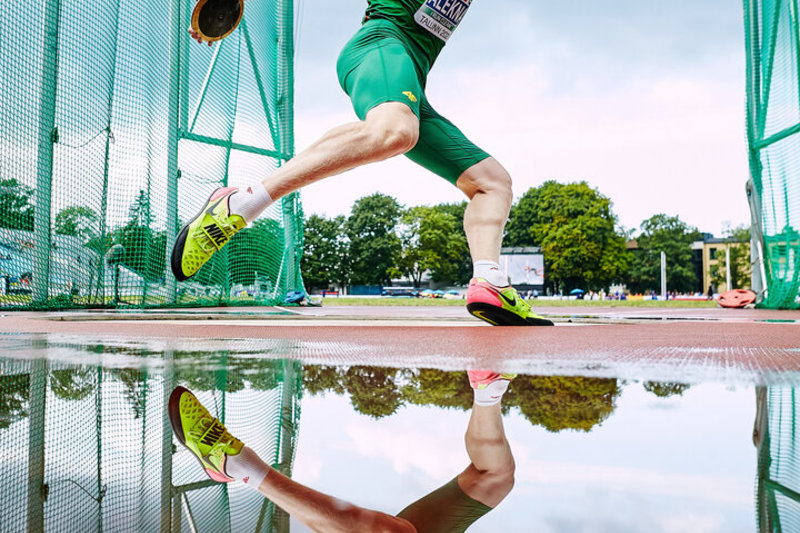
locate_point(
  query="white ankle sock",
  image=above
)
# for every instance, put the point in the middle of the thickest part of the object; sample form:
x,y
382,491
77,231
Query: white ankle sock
x,y
492,394
490,271
249,202
247,466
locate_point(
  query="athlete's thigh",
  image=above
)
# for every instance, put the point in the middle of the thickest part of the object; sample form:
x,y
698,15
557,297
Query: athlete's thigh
x,y
442,147
446,510
374,69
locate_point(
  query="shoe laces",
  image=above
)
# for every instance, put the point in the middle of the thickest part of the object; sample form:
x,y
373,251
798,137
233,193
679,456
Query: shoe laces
x,y
204,240
201,427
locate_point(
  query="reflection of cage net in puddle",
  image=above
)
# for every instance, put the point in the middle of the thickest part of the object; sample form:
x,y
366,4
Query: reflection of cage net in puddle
x,y
776,434
87,448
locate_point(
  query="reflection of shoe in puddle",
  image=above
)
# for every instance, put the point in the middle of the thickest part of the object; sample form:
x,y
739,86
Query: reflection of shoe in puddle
x,y
501,306
489,385
204,435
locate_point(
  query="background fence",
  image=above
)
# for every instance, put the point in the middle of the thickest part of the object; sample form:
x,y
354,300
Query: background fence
x,y
777,433
90,447
773,131
114,129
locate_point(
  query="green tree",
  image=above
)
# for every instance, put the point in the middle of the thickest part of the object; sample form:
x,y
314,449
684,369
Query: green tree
x,y
672,236
576,229
135,382
78,221
373,391
14,396
325,252
374,245
431,242
557,403
664,389
16,205
257,249
738,240
464,263
318,379
429,386
73,383
144,249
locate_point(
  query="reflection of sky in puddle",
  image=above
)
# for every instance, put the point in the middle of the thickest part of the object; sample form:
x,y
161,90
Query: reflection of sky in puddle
x,y
684,462
678,464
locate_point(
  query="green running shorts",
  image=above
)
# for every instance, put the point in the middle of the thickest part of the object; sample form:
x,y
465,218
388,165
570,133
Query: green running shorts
x,y
446,510
379,64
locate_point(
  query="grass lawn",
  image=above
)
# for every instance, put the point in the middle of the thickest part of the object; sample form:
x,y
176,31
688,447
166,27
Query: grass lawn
x,y
344,301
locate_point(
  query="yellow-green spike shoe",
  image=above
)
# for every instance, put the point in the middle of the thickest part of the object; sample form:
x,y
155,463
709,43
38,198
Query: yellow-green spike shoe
x,y
206,234
204,435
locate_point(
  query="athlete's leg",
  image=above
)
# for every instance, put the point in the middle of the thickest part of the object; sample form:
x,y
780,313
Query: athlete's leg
x,y
389,129
443,149
225,458
324,513
488,187
490,476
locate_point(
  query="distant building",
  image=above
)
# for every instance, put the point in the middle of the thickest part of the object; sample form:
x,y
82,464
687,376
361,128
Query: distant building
x,y
708,253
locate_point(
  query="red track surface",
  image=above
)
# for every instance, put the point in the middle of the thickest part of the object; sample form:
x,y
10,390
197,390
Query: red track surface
x,y
688,350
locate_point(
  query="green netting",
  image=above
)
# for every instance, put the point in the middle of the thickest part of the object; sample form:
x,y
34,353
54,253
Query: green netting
x,y
778,484
114,129
90,447
773,128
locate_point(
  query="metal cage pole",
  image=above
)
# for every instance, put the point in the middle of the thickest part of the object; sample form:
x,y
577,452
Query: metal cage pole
x,y
285,110
48,136
173,136
37,490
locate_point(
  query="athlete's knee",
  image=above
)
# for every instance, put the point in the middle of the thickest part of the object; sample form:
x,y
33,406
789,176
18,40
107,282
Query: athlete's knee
x,y
392,128
395,138
487,177
497,179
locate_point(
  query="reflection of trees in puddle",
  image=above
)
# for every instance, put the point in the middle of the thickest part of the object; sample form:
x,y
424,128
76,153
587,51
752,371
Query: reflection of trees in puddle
x,y
665,389
553,402
113,417
73,383
14,395
200,371
557,403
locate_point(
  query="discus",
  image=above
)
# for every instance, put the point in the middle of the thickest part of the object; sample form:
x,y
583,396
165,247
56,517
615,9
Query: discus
x,y
737,298
216,19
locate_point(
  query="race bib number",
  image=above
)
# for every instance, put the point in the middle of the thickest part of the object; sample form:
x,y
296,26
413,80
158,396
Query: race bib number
x,y
441,17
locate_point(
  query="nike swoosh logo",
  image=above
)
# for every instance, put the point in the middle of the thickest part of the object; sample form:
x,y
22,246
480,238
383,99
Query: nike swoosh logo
x,y
210,210
511,302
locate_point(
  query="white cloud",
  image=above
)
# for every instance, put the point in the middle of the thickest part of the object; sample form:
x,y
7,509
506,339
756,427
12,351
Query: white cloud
x,y
402,448
610,478
705,523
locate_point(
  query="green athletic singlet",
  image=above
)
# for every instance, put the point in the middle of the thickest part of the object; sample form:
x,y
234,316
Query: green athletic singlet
x,y
388,60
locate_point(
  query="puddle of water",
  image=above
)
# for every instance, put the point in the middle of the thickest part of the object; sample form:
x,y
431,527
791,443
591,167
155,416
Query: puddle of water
x,y
88,446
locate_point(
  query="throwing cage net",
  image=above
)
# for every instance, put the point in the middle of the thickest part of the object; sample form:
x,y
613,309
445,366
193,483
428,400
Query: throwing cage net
x,y
90,448
773,131
776,433
114,129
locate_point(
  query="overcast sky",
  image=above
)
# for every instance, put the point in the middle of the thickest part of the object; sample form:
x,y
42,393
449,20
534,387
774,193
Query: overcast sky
x,y
642,99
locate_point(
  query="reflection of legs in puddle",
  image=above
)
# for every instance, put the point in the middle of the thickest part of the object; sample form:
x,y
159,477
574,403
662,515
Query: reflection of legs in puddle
x,y
488,478
226,459
453,507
